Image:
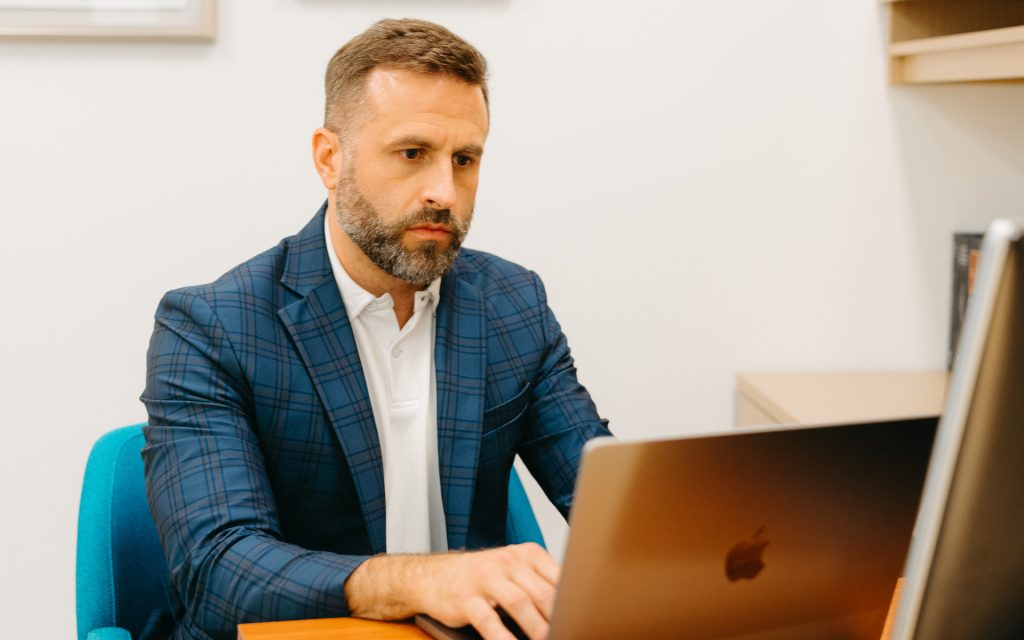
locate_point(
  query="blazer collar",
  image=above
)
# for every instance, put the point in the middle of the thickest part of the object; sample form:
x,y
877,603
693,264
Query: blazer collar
x,y
320,328
306,263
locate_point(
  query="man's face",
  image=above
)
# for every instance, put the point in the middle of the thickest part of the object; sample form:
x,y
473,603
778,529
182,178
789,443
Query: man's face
x,y
411,162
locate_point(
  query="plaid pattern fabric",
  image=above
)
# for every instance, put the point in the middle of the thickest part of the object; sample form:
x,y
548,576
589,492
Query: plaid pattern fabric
x,y
263,467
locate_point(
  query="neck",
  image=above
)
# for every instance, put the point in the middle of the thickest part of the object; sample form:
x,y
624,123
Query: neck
x,y
367,274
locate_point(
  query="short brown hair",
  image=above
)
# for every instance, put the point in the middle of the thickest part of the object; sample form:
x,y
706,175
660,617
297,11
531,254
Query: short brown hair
x,y
408,44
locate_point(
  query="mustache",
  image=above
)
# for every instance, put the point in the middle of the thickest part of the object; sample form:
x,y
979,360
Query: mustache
x,y
429,216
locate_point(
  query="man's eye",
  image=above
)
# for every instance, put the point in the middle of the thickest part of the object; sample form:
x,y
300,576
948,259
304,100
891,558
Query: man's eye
x,y
412,154
462,161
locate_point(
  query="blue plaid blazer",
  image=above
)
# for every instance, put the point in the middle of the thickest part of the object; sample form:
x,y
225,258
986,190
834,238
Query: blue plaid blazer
x,y
263,467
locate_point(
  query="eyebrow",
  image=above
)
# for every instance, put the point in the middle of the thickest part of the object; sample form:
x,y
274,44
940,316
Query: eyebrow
x,y
415,141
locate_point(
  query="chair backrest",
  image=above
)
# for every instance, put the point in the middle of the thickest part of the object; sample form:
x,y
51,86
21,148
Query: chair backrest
x,y
521,524
121,577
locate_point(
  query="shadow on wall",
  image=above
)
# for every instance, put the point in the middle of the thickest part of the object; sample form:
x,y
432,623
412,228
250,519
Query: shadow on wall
x,y
954,139
960,150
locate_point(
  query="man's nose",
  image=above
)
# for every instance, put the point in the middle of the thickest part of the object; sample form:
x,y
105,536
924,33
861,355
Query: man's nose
x,y
439,190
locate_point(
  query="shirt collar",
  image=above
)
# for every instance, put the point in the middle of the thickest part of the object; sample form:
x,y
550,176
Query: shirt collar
x,y
357,299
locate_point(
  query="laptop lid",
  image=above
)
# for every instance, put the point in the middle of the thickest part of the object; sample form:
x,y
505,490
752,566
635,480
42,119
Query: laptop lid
x,y
782,533
965,571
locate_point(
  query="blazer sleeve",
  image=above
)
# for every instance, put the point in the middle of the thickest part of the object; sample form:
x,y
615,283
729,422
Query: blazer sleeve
x,y
562,416
209,491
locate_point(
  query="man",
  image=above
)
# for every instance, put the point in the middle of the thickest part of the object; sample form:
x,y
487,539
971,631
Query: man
x,y
332,423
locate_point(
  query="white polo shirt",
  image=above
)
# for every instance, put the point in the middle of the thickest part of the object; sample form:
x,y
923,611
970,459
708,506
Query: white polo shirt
x,y
399,368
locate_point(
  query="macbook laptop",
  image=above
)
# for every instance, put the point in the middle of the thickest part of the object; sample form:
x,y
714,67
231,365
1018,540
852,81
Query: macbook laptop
x,y
965,571
757,534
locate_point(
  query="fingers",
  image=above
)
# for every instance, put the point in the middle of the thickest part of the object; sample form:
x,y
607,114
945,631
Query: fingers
x,y
518,603
526,587
541,592
520,579
540,560
486,620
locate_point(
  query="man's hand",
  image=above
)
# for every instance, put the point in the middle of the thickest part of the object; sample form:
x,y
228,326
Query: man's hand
x,y
460,588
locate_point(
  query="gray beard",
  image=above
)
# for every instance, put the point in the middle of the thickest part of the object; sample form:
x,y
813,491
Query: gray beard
x,y
382,242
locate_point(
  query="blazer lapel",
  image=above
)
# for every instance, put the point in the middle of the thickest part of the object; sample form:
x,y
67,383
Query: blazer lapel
x,y
460,358
319,325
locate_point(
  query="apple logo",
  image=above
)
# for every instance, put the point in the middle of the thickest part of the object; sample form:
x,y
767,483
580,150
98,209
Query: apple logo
x,y
744,559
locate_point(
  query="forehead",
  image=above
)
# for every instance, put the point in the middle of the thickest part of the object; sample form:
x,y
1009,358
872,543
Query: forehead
x,y
441,106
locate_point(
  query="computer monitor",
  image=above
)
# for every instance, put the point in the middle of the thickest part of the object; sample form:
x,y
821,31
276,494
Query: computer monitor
x,y
964,576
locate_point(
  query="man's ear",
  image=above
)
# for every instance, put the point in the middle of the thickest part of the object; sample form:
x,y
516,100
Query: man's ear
x,y
327,157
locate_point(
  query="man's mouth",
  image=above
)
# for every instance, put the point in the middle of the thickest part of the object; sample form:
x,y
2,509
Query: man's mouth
x,y
431,231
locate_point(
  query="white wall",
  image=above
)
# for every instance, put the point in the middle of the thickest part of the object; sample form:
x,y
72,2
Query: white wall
x,y
705,187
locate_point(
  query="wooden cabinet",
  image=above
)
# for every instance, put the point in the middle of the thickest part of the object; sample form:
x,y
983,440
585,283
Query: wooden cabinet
x,y
955,40
766,398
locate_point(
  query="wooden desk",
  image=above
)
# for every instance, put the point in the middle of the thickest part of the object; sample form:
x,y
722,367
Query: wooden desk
x,y
330,629
356,629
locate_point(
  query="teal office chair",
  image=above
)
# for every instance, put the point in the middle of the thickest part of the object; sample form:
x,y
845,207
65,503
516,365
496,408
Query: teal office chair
x,y
122,585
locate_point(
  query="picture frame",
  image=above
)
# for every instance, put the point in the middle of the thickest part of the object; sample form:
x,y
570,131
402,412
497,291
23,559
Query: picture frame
x,y
109,19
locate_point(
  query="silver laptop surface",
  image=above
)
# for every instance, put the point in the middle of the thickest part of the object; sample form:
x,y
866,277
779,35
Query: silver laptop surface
x,y
783,533
965,572
766,534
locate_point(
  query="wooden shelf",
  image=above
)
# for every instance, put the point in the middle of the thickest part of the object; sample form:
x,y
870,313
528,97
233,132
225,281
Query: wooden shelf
x,y
766,398
935,41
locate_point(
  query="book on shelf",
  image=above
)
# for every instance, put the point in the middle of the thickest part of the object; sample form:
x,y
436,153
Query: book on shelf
x,y
966,260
